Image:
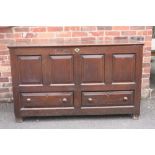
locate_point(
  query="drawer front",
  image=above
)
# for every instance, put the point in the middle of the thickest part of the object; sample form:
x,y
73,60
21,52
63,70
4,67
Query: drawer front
x,y
113,98
58,99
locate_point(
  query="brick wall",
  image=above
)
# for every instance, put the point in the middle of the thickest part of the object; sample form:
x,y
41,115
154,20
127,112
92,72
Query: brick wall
x,y
46,34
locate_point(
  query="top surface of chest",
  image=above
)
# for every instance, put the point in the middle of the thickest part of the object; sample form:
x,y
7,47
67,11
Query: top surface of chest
x,y
75,43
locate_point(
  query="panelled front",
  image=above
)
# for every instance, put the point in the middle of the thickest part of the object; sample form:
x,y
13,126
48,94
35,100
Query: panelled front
x,y
43,66
81,81
52,66
103,68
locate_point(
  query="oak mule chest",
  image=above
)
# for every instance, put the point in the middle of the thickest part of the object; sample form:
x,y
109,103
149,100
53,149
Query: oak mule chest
x,y
82,78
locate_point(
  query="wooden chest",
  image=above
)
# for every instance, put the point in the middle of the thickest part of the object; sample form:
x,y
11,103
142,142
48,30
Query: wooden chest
x,y
87,78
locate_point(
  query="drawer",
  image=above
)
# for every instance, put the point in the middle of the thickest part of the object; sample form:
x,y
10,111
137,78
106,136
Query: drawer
x,y
54,99
112,98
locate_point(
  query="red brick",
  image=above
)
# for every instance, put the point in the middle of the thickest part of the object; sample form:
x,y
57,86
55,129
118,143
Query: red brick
x,y
5,64
88,38
145,83
5,95
145,80
4,52
6,74
72,28
46,41
54,28
120,28
63,34
148,38
146,54
98,33
99,38
7,41
148,43
88,28
72,39
112,33
46,35
120,38
7,29
104,27
127,33
146,59
137,27
28,35
3,90
4,80
146,76
23,40
149,27
146,65
21,29
146,69
137,38
58,39
2,36
40,41
3,46
79,34
141,32
105,38
147,48
15,35
38,29
149,32
3,57
108,38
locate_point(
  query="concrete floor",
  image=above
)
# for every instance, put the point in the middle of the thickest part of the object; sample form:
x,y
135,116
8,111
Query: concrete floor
x,y
146,120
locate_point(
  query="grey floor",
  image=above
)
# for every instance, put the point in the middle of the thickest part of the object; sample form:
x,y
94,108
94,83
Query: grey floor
x,y
146,120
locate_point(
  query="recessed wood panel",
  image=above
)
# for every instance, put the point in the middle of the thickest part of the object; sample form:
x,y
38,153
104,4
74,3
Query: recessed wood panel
x,y
123,68
62,69
92,68
30,69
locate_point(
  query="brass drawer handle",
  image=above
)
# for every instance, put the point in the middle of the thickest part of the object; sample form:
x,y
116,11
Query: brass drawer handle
x,y
90,99
28,99
125,98
76,50
64,100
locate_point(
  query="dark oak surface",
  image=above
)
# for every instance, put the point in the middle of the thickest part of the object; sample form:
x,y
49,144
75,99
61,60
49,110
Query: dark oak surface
x,y
76,43
91,78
